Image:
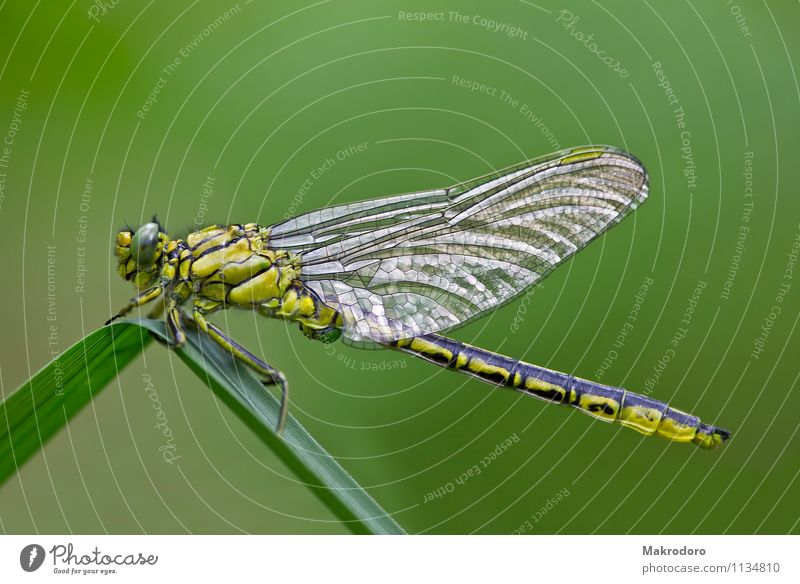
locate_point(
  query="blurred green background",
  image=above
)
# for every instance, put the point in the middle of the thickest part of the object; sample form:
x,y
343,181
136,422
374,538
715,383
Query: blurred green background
x,y
252,98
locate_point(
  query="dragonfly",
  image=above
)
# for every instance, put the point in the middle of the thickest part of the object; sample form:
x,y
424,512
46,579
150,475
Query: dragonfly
x,y
397,271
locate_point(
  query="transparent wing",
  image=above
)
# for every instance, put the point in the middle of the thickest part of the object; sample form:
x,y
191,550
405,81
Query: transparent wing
x,y
406,265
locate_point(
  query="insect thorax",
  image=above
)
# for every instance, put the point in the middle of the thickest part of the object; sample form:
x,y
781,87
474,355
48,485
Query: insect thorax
x,y
234,266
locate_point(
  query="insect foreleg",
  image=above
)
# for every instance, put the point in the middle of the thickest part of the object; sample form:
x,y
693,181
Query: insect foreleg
x,y
270,375
139,300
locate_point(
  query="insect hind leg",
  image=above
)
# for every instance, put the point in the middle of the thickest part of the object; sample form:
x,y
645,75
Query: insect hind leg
x,y
269,375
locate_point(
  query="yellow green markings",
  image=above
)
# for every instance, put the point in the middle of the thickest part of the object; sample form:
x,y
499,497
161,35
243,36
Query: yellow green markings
x,y
210,236
213,258
185,264
288,304
215,291
581,155
611,404
709,439
491,367
142,279
298,303
306,307
678,426
545,390
600,401
235,272
487,370
433,350
259,289
642,413
441,353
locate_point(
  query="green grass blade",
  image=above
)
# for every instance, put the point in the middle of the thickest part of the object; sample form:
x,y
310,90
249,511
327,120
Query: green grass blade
x,y
46,402
40,407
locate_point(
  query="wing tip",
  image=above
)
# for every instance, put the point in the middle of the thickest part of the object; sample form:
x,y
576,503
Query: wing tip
x,y
599,151
643,190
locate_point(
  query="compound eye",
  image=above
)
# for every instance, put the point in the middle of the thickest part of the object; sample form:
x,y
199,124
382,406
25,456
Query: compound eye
x,y
144,244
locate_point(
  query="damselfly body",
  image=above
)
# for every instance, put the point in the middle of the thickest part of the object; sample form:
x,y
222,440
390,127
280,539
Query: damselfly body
x,y
398,270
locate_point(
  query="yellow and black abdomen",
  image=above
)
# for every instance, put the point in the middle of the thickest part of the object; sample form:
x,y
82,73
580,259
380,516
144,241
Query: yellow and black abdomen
x,y
611,404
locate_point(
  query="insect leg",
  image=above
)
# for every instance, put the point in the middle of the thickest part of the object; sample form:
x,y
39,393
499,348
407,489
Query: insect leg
x,y
270,375
158,308
173,319
139,300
